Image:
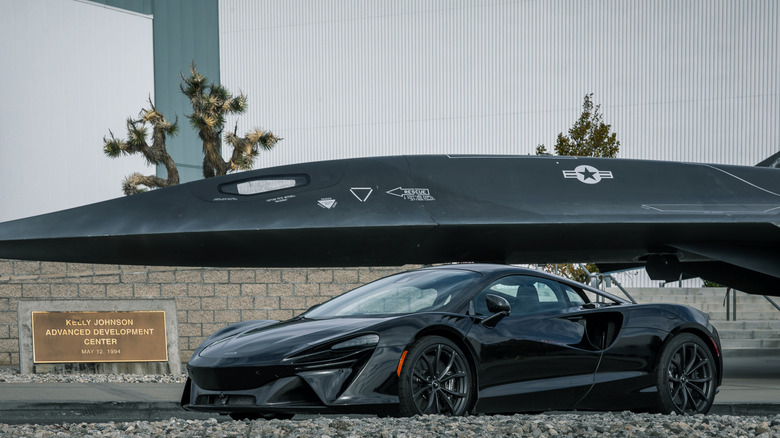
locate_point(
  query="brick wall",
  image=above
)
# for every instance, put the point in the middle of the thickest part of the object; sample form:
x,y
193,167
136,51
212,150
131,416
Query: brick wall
x,y
206,298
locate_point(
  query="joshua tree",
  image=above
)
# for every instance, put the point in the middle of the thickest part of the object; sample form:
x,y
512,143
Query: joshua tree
x,y
156,154
211,103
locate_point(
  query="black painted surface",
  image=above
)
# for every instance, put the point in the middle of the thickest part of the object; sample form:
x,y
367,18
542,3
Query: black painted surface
x,y
587,356
718,222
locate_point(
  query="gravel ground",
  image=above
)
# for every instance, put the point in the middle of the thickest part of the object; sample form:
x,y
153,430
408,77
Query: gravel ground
x,y
624,424
12,375
602,425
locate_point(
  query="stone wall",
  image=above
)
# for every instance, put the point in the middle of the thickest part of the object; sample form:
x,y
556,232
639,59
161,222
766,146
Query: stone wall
x,y
206,298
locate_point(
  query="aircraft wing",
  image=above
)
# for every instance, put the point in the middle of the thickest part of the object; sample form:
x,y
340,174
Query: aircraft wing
x,y
715,221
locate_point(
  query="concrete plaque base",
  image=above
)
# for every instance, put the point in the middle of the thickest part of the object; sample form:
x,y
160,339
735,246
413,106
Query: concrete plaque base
x,y
26,356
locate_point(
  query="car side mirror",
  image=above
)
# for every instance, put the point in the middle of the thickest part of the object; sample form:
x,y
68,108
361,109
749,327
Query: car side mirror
x,y
499,307
497,304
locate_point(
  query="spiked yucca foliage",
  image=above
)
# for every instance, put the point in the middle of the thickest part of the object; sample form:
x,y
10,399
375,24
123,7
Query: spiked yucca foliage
x,y
211,103
136,142
246,149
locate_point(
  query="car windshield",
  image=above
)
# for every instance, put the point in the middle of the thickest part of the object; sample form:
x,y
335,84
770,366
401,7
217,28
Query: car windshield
x,y
409,292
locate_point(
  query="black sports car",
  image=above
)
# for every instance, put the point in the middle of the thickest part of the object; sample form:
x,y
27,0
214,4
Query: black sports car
x,y
460,339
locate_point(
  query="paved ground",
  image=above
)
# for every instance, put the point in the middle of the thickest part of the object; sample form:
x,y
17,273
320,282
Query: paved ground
x,y
751,387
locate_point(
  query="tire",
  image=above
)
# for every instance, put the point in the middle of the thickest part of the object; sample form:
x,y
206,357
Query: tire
x,y
686,376
242,416
435,379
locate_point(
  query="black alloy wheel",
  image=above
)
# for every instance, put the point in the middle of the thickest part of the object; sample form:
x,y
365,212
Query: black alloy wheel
x,y
435,379
686,376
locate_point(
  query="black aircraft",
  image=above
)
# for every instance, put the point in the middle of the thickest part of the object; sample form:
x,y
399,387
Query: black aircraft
x,y
678,220
460,339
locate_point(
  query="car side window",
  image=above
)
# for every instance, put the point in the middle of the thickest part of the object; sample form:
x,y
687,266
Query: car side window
x,y
574,297
525,294
578,296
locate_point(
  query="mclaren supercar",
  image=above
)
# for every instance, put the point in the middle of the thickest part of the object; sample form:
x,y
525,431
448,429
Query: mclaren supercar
x,y
457,339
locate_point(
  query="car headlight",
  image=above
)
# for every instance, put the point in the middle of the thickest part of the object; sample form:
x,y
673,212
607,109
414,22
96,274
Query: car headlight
x,y
340,354
359,342
211,346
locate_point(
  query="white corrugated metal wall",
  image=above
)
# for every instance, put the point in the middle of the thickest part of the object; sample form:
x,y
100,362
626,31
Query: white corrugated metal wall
x,y
71,70
692,80
677,80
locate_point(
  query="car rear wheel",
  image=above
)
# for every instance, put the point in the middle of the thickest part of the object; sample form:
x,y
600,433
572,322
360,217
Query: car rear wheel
x,y
686,376
435,379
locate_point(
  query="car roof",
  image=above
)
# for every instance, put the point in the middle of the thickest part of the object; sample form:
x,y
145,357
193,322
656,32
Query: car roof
x,y
490,269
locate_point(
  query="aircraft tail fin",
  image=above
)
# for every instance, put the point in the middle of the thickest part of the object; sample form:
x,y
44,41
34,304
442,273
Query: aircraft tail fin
x,y
773,161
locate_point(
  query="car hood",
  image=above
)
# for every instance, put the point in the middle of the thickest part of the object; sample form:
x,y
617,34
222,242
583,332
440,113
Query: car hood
x,y
271,343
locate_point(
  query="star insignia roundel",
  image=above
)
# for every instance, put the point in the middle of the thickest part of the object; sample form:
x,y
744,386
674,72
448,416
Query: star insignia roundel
x,y
587,174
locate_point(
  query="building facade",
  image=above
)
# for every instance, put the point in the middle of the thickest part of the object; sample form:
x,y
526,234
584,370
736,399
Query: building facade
x,y
677,80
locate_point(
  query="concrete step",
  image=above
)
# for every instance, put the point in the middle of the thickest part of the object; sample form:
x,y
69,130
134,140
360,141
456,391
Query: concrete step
x,y
755,332
745,310
729,344
694,298
748,325
672,292
711,301
767,315
697,301
750,352
749,334
687,295
748,307
717,308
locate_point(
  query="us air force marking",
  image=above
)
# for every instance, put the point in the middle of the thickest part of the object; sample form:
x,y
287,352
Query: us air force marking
x,y
587,174
362,193
412,194
327,203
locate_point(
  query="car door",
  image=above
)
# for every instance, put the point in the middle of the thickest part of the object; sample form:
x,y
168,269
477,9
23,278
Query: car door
x,y
531,360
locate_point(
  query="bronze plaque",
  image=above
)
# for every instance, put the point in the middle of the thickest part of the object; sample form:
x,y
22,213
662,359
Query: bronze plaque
x,y
137,336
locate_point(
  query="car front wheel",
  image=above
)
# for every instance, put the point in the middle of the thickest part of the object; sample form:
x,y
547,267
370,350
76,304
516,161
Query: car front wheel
x,y
435,379
686,376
